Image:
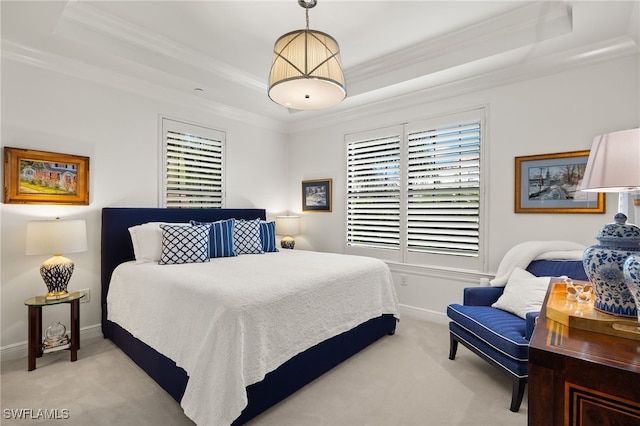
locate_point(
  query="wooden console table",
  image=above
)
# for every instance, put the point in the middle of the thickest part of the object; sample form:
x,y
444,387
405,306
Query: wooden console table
x,y
581,377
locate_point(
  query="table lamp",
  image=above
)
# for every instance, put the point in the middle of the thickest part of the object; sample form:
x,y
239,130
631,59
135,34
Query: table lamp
x,y
287,226
55,237
613,166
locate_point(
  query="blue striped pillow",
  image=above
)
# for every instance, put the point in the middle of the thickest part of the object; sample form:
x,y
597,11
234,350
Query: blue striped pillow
x,y
220,237
268,236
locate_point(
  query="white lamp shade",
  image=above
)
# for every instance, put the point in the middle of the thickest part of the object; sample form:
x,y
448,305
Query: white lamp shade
x,y
614,163
306,72
56,236
288,225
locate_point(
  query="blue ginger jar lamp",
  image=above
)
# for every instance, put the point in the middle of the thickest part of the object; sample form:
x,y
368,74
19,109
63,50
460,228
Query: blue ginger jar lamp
x,y
604,265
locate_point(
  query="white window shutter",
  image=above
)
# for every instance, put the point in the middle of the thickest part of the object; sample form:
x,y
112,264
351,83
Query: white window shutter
x,y
373,189
443,190
193,175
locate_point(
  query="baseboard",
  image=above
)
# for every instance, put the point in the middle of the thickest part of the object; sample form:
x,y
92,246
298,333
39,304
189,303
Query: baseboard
x,y
19,350
423,314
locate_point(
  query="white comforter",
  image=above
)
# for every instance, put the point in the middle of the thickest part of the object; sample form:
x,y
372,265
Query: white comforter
x,y
230,321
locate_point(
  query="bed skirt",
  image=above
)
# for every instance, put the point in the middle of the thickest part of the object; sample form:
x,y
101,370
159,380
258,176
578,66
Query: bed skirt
x,y
278,384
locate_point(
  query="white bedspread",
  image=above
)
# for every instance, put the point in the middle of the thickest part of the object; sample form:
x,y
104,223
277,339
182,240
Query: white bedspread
x,y
230,321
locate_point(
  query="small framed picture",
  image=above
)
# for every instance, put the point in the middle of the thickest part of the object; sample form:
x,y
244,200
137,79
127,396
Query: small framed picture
x,y
39,177
548,184
316,195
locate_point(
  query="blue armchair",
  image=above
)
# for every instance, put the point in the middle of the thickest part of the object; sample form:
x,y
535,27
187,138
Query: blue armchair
x,y
497,336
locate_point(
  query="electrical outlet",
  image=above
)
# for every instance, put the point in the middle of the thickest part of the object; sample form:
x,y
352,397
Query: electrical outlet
x,y
403,280
87,296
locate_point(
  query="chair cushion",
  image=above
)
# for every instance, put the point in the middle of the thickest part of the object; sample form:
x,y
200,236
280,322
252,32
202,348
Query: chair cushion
x,y
509,365
501,330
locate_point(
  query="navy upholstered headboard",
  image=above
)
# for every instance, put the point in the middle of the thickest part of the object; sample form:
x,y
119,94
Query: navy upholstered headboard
x,y
115,243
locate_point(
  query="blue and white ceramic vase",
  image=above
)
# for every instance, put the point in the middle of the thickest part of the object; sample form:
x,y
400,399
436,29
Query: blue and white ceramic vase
x,y
604,264
632,278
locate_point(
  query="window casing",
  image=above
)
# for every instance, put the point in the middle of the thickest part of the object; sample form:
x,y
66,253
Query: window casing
x,y
420,190
192,172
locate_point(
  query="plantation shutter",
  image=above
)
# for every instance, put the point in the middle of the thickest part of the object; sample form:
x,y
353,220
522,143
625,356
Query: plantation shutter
x,y
193,166
443,189
373,189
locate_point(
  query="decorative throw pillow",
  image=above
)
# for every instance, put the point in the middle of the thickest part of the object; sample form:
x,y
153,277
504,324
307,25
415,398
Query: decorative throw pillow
x,y
268,236
246,237
184,244
147,241
221,237
524,292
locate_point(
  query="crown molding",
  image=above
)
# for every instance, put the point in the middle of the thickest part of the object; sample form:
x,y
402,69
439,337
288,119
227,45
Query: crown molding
x,y
409,95
141,87
531,23
81,16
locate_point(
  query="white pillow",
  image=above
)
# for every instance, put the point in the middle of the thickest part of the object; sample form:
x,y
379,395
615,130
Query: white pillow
x,y
524,292
147,241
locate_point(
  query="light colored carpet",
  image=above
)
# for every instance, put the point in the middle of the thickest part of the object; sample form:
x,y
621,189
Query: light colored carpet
x,y
405,379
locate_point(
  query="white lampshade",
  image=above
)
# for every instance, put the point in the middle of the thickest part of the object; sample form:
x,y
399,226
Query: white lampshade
x,y
56,236
614,163
288,225
614,166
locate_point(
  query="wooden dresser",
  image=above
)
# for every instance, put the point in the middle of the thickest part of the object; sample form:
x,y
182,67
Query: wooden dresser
x,y
581,377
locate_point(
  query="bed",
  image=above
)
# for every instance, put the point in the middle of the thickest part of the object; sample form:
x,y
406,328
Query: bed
x,y
272,379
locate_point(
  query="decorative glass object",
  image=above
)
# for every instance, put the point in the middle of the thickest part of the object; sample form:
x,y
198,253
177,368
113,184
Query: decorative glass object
x,y
604,264
55,335
581,293
632,279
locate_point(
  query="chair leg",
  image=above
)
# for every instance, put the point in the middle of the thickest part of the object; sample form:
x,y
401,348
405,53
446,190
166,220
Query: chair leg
x,y
517,394
453,346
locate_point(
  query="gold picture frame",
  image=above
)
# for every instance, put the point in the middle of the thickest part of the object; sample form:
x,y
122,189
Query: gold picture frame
x,y
316,195
547,184
40,177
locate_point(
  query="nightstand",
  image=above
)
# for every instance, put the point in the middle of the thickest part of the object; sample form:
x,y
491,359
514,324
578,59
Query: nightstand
x,y
35,305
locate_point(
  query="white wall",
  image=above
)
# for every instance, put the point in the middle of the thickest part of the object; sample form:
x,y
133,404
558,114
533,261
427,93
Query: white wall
x,y
554,113
118,130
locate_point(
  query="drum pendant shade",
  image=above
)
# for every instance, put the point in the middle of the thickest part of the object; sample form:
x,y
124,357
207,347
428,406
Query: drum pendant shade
x,y
306,73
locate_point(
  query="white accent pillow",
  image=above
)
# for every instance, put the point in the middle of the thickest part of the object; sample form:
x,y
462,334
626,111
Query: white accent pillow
x,y
524,292
147,241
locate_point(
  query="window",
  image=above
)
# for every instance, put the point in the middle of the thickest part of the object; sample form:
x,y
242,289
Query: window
x,y
373,189
416,189
192,165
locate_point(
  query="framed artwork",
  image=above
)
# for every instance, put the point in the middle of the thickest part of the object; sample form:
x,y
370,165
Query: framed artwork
x,y
39,177
547,184
316,195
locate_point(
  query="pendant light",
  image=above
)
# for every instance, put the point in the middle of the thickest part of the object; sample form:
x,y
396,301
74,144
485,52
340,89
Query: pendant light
x,y
306,73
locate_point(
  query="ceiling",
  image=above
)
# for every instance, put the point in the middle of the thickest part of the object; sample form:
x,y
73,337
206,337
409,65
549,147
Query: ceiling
x,y
218,53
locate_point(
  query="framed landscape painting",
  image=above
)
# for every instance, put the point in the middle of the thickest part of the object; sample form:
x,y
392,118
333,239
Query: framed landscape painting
x,y
316,195
548,184
39,177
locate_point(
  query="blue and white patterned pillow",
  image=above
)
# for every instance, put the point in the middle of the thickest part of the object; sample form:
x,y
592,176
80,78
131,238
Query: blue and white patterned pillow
x,y
184,244
221,238
246,237
268,236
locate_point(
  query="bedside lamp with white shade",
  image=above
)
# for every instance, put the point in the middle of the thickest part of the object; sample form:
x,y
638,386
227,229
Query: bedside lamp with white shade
x,y
55,237
288,226
613,166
